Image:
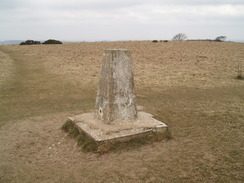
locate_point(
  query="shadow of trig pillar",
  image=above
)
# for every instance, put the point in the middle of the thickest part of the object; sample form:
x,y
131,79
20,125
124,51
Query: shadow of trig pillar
x,y
116,99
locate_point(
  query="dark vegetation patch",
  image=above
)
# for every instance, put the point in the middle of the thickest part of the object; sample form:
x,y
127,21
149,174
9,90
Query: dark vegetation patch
x,y
49,41
240,76
52,41
30,42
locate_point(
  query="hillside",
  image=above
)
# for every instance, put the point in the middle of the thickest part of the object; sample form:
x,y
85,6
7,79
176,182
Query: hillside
x,y
191,86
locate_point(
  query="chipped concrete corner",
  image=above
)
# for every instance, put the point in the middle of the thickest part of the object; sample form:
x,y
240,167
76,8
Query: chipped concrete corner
x,y
116,116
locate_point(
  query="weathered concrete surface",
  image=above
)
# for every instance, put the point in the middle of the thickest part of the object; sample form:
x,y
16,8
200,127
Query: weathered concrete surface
x,y
99,131
116,117
116,99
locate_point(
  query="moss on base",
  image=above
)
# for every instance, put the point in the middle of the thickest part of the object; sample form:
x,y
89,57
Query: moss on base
x,y
83,141
69,127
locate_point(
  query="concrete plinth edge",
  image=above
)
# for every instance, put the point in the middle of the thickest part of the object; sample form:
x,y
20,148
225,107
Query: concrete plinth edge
x,y
120,131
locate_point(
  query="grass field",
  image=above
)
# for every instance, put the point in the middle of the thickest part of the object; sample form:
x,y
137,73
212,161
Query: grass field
x,y
191,86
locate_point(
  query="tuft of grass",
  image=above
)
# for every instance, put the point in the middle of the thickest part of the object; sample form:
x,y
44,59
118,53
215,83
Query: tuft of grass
x,y
69,127
168,135
86,143
240,77
239,73
81,139
89,146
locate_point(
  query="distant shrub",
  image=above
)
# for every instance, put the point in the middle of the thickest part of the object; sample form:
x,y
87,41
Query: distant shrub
x,y
30,42
155,41
163,41
220,38
179,37
52,41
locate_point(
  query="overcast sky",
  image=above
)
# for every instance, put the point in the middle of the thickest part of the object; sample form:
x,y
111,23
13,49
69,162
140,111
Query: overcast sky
x,y
96,20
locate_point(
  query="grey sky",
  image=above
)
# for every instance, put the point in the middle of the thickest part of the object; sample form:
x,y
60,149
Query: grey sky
x,y
93,20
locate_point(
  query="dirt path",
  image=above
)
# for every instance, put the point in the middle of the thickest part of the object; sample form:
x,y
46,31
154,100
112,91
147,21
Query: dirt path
x,y
6,68
32,91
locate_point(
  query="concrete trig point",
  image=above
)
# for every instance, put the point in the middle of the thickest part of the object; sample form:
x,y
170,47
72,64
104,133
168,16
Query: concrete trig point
x,y
116,99
116,116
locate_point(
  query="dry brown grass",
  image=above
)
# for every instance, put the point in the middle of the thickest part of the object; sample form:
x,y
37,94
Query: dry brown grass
x,y
31,91
160,65
190,86
6,68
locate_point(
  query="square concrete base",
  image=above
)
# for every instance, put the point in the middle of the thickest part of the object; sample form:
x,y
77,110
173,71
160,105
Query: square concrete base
x,y
119,131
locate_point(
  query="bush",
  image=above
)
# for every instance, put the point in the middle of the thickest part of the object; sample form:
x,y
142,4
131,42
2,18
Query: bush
x,y
165,41
30,42
155,41
52,41
179,37
220,38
